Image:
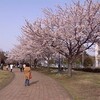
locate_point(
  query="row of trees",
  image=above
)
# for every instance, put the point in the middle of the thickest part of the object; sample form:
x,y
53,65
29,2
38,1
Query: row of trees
x,y
68,31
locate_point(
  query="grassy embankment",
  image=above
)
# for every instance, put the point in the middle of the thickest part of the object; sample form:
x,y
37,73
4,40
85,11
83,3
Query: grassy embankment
x,y
5,78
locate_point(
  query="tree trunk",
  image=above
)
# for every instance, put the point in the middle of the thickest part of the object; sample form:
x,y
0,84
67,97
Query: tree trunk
x,y
69,69
35,63
48,67
59,64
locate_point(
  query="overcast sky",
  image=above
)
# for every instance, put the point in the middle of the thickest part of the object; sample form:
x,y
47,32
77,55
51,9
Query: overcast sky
x,y
13,14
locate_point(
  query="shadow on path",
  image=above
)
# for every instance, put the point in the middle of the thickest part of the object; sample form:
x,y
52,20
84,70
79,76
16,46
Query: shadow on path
x,y
34,82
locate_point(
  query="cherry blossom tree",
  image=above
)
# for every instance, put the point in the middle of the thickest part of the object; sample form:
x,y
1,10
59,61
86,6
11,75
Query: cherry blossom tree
x,y
69,31
73,30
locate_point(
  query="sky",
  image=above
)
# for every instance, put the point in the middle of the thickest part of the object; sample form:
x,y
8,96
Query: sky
x,y
13,14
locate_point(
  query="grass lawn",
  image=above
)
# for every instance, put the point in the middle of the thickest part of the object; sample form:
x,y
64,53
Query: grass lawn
x,y
82,85
5,78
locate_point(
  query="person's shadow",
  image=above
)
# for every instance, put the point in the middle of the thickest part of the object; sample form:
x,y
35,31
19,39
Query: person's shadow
x,y
34,82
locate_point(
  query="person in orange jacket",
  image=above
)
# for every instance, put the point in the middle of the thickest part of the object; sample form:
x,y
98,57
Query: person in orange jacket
x,y
27,74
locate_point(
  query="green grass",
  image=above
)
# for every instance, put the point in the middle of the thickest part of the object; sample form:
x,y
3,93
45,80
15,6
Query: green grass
x,y
82,85
5,78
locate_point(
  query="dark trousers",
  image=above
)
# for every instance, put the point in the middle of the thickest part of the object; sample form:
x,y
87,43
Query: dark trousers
x,y
21,69
27,82
11,70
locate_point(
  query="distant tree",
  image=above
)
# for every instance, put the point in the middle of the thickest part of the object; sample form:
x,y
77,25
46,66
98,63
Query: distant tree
x,y
2,57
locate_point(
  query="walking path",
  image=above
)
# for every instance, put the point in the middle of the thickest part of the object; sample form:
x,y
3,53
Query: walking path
x,y
41,88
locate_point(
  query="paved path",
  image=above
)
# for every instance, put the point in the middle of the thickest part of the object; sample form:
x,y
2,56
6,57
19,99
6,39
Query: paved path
x,y
41,88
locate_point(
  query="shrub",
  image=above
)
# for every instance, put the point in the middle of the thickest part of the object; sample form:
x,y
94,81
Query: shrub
x,y
88,62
